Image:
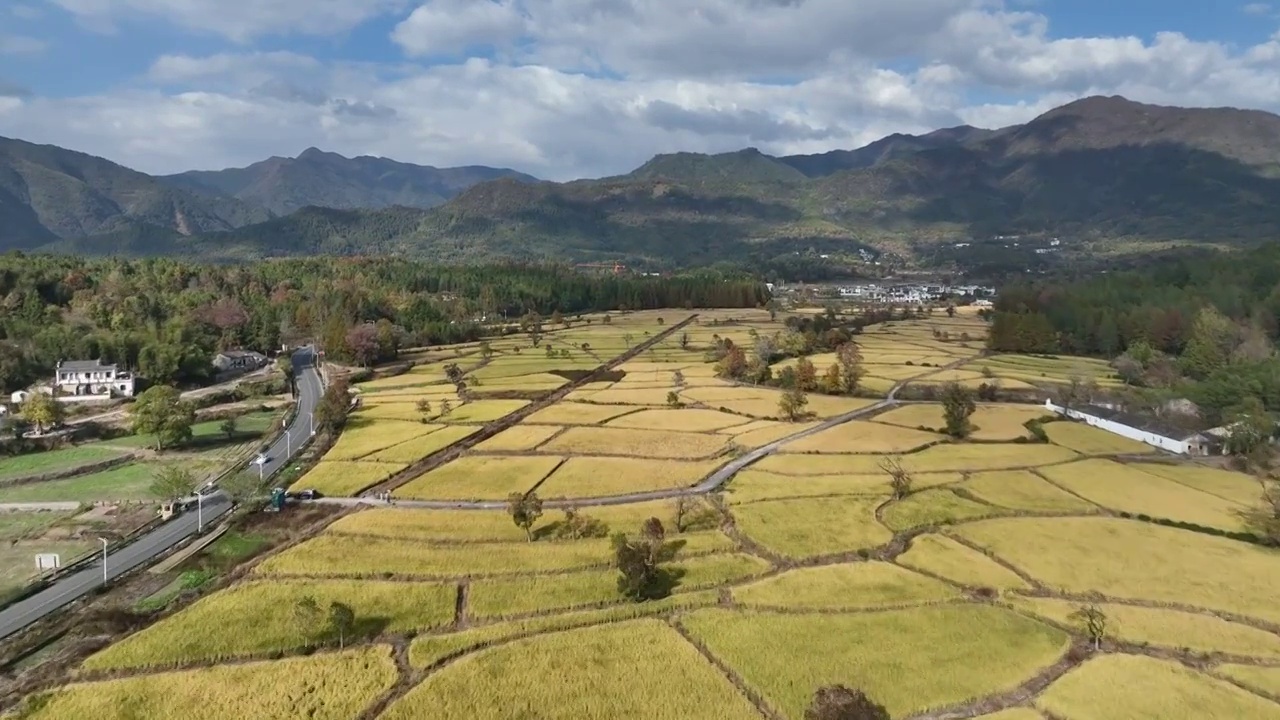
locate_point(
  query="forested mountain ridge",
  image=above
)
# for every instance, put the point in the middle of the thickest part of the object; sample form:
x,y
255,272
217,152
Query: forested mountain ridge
x,y
47,192
1102,173
1102,169
325,179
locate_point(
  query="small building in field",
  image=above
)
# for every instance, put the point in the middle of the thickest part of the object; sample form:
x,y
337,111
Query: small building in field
x,y
1182,438
90,379
239,361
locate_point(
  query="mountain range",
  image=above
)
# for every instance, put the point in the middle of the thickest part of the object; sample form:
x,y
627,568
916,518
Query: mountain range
x,y
1102,169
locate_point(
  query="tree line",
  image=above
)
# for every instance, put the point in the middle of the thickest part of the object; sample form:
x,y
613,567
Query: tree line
x,y
1200,326
166,318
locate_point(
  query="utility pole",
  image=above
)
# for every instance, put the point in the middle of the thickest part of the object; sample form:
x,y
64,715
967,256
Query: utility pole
x,y
199,513
104,560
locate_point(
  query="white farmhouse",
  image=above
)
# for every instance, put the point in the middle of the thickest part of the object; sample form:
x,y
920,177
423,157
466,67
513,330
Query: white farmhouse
x,y
86,379
1152,431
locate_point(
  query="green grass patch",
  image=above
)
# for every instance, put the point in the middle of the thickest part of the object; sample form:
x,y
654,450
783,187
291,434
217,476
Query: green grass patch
x,y
127,482
248,427
54,460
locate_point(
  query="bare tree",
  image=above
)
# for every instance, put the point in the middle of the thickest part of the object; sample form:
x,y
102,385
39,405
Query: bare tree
x,y
1094,623
684,506
899,479
423,407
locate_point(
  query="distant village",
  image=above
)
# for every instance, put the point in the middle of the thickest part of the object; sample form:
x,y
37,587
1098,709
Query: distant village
x,y
896,294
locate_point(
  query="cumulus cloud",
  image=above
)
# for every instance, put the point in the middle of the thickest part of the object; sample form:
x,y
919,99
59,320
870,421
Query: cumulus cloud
x,y
573,88
238,20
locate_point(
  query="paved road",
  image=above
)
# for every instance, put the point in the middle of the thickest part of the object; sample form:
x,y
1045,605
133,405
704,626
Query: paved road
x,y
712,481
309,391
146,548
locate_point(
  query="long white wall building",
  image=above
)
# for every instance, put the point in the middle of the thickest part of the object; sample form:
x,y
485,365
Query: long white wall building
x,y
1145,430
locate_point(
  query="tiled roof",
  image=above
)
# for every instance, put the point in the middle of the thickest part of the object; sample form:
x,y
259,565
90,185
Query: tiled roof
x,y
1182,428
84,366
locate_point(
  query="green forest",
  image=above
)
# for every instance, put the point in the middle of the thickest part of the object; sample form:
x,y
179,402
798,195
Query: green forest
x,y
1201,325
165,319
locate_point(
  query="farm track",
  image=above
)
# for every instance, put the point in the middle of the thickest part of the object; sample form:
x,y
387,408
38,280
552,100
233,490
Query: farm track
x,y
708,485
430,462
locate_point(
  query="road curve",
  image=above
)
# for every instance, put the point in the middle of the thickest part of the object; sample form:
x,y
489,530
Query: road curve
x,y
711,483
146,548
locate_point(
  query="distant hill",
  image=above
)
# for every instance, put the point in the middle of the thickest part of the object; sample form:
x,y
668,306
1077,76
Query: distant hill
x,y
881,151
48,193
1105,174
325,179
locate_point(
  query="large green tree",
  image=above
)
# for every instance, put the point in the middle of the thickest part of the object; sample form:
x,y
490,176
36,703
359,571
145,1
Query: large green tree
x,y
161,412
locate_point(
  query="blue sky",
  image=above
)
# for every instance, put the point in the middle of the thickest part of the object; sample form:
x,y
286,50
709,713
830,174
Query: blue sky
x,y
570,88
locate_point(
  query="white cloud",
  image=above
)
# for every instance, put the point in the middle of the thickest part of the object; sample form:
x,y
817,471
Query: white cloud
x,y
447,27
21,45
1257,9
786,76
238,20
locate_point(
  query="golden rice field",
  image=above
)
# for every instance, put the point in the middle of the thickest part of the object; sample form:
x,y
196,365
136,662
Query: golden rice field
x,y
943,557
1088,440
801,571
1120,487
326,686
1134,686
999,422
254,619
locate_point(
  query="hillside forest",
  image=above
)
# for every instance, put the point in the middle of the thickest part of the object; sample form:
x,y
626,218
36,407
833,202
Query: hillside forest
x,y
1198,325
165,319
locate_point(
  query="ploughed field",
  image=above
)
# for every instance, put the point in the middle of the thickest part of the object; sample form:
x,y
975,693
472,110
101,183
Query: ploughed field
x,y
959,599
